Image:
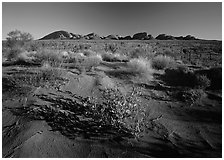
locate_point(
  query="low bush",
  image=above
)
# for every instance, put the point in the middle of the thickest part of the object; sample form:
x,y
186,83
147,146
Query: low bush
x,y
15,42
202,81
83,63
140,66
116,116
182,77
26,56
134,68
50,56
169,53
125,111
31,46
188,96
162,62
49,74
91,62
13,53
214,75
44,76
109,57
137,53
88,53
111,48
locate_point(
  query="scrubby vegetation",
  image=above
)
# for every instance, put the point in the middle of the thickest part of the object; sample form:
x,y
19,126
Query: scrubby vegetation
x,y
110,57
51,57
140,66
109,91
181,76
15,42
116,116
162,62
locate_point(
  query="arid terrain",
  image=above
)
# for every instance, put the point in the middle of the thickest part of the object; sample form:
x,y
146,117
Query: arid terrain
x,y
112,98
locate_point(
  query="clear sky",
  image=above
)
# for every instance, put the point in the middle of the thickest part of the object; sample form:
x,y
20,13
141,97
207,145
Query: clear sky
x,y
203,20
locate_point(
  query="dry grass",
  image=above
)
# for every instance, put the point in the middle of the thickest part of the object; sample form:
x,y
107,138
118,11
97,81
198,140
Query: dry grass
x,y
54,58
185,78
137,67
84,63
162,62
109,57
140,66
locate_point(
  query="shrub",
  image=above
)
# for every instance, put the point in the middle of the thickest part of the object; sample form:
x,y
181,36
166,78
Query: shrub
x,y
49,74
125,111
17,38
15,42
50,56
111,48
120,58
214,75
114,116
202,81
109,57
25,56
140,66
185,78
13,53
44,76
83,63
188,96
135,67
162,62
137,53
31,46
89,53
169,53
91,62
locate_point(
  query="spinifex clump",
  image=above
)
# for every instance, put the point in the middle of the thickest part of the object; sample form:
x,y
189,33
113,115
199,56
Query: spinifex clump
x,y
115,115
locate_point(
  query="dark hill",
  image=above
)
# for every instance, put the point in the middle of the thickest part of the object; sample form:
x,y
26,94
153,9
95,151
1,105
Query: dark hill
x,y
57,35
93,36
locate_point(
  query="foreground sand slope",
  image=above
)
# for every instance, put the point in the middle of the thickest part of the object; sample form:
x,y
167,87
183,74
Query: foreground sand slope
x,y
175,129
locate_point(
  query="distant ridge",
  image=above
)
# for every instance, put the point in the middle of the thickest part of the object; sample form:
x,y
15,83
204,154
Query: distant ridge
x,y
63,35
57,35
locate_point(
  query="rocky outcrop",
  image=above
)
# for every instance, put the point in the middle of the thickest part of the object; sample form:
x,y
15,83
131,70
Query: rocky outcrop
x,y
179,38
57,35
142,36
150,37
112,37
92,36
125,38
188,37
76,36
165,37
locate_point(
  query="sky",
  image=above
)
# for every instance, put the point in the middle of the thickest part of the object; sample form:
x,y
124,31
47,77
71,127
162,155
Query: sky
x,y
200,19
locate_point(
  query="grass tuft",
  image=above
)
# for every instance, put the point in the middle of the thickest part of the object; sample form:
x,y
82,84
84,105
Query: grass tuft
x,y
162,62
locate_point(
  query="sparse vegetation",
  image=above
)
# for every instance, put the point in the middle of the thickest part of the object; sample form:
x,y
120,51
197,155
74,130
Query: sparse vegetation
x,y
116,116
185,78
111,48
91,62
162,62
88,53
140,66
109,57
114,91
15,42
49,56
137,53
